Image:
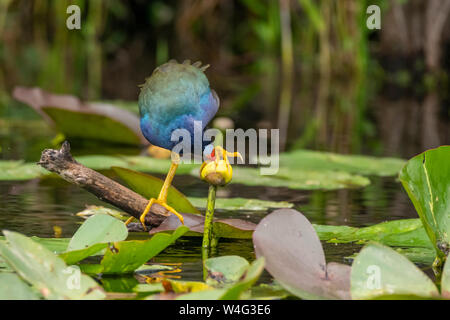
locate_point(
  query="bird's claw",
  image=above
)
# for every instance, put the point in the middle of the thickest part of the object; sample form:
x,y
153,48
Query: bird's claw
x,y
162,203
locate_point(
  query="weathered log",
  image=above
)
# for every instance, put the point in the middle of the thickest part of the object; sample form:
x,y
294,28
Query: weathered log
x,y
62,163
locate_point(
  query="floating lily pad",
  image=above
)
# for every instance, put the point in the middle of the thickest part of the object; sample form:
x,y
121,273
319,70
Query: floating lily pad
x,y
239,204
149,187
127,256
12,287
379,270
359,164
234,291
250,276
298,179
295,258
401,233
56,245
45,271
74,256
97,121
98,229
226,269
426,180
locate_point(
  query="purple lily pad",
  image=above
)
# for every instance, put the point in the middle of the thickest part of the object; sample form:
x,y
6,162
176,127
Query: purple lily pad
x,y
295,257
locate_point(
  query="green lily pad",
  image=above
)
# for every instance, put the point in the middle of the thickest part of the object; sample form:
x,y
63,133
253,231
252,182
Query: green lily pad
x,y
250,276
359,164
74,256
93,125
238,204
426,180
123,283
97,121
380,270
401,233
45,271
12,287
149,187
127,256
298,179
235,291
56,245
18,170
98,229
225,270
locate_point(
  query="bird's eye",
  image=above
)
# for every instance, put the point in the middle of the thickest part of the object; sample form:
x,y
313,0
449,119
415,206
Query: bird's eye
x,y
216,97
208,151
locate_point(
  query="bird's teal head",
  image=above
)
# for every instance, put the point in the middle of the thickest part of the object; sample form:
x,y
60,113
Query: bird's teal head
x,y
173,97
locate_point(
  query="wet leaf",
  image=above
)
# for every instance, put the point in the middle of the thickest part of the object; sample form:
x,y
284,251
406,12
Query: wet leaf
x,y
149,187
56,245
295,258
118,284
426,180
74,256
99,228
93,210
234,291
249,278
12,287
97,121
127,256
45,271
225,270
317,160
380,270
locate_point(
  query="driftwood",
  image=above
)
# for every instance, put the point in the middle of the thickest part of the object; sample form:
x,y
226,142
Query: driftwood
x,y
62,163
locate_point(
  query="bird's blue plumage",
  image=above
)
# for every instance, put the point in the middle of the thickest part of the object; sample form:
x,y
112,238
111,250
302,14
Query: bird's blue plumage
x,y
173,97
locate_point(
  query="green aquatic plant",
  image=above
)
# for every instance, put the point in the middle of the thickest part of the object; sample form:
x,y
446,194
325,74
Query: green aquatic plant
x,y
426,179
40,273
381,272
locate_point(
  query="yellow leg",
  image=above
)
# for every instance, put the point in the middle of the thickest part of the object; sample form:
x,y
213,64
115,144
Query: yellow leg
x,y
162,198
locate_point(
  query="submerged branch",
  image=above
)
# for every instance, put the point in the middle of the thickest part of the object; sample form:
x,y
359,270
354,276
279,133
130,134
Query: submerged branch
x,y
62,163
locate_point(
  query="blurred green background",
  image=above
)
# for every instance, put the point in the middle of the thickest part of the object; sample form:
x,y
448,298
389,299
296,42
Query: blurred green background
x,y
309,67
